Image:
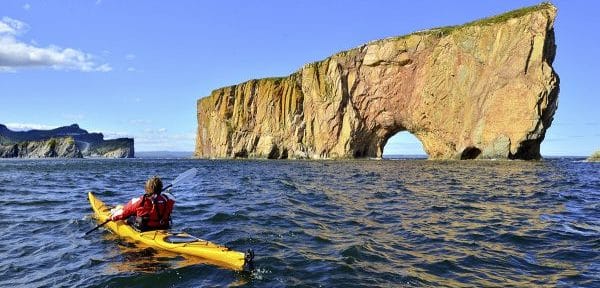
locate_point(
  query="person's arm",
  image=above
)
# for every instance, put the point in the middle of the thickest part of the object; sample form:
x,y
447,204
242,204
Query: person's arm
x,y
129,209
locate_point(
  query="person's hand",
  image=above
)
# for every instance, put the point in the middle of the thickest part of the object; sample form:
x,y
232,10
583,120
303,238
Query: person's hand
x,y
116,212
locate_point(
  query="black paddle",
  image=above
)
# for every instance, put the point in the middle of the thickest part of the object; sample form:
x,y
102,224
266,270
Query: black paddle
x,y
182,177
96,228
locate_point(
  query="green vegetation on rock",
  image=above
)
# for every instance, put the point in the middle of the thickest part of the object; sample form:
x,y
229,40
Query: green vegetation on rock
x,y
447,30
510,15
5,141
53,147
51,143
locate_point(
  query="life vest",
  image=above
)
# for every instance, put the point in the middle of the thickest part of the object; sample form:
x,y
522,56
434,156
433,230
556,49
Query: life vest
x,y
153,213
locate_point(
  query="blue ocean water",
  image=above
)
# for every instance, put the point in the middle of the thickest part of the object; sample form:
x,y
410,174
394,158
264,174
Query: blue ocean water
x,y
355,223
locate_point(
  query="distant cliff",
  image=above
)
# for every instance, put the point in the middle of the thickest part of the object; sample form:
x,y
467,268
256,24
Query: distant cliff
x,y
69,141
595,157
481,90
54,147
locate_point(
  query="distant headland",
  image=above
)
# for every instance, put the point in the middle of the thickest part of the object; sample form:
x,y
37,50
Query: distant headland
x,y
482,90
595,157
65,142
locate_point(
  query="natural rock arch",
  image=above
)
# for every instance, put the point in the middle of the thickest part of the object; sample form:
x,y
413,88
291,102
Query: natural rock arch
x,y
482,90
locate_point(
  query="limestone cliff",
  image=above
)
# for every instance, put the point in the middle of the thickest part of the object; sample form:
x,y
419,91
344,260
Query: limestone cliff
x,y
55,147
485,89
115,148
594,157
87,144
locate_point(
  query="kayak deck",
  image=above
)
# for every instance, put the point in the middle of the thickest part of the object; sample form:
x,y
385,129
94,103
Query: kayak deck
x,y
178,242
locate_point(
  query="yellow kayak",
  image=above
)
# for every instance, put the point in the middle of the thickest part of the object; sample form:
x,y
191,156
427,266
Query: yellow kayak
x,y
177,242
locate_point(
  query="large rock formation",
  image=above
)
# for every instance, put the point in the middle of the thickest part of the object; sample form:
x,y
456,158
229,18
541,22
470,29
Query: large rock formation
x,y
63,147
79,143
595,157
485,89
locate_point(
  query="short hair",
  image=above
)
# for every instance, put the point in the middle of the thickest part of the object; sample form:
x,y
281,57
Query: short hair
x,y
153,185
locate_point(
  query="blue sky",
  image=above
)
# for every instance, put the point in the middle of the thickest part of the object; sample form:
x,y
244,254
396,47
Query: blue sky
x,y
136,68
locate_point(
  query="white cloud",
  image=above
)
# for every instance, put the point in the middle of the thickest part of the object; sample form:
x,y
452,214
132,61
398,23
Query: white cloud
x,y
112,134
11,26
104,68
27,6
16,54
130,56
165,142
131,69
7,70
28,126
156,139
115,135
155,131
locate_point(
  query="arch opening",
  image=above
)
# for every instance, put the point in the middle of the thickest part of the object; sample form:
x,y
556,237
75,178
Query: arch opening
x,y
403,145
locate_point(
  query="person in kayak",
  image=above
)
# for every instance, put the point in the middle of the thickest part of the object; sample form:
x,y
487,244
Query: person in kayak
x,y
151,211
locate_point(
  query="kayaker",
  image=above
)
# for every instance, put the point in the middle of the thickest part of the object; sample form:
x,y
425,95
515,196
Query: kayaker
x,y
151,211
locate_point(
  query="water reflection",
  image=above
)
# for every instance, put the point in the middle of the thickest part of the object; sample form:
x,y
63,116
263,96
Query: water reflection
x,y
136,257
444,223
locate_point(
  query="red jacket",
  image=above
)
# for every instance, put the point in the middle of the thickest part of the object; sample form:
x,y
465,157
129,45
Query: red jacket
x,y
156,209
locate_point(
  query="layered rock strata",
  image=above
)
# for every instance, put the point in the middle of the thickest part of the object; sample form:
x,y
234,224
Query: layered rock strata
x,y
55,147
485,89
86,144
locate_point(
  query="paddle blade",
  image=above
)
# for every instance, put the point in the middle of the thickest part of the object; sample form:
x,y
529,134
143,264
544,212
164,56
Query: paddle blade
x,y
96,228
185,176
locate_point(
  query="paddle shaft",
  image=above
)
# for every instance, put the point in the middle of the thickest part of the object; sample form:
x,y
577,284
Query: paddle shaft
x,y
96,228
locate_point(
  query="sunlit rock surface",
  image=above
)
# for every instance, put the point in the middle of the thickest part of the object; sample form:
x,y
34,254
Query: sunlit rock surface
x,y
63,147
482,90
594,157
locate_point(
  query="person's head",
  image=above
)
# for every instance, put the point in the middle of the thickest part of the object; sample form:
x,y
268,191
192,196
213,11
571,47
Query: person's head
x,y
153,185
